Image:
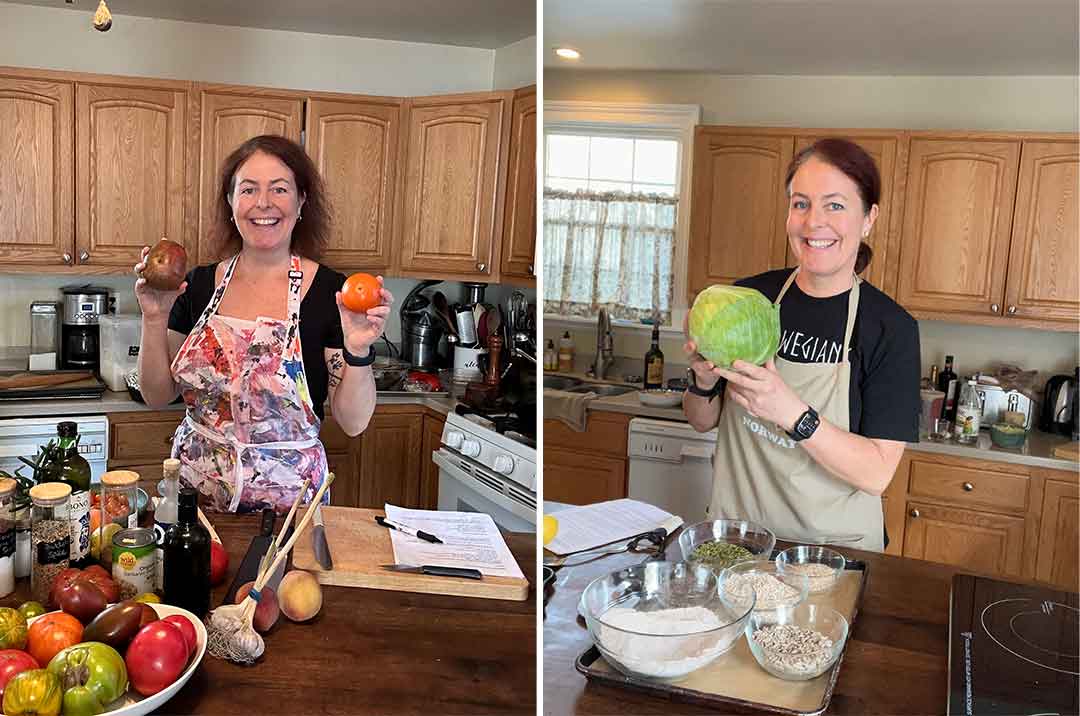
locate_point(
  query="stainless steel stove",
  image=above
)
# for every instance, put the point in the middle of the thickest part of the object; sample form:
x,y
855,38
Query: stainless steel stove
x,y
487,464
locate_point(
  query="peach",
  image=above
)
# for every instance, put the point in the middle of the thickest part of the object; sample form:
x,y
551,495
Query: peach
x,y
266,612
300,595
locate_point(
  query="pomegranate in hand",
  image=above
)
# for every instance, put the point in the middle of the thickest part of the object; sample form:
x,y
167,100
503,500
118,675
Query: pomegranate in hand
x,y
166,265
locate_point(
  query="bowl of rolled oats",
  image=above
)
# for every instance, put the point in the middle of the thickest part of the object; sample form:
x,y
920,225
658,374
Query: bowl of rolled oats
x,y
821,566
801,644
759,582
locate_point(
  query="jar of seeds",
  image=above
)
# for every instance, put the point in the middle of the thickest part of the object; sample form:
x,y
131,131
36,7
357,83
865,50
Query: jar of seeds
x,y
50,546
7,536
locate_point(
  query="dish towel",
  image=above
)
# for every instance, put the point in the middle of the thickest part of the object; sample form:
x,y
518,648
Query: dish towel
x,y
569,408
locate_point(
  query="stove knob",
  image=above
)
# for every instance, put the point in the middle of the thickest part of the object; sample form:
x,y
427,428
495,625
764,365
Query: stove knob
x,y
453,439
470,448
504,464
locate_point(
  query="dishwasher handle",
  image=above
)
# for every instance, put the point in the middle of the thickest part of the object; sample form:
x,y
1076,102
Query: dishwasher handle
x,y
699,452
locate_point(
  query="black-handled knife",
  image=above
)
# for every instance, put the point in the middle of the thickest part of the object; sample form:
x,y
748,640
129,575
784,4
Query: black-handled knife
x,y
249,565
436,571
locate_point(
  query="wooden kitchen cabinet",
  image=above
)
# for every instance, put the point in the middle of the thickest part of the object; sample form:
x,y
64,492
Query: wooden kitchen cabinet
x,y
142,437
739,204
229,117
354,143
342,461
519,223
590,466
981,541
1043,282
429,471
36,175
1058,558
390,462
131,170
452,196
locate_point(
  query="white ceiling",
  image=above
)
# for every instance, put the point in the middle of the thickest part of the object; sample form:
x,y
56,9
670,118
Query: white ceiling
x,y
818,37
487,24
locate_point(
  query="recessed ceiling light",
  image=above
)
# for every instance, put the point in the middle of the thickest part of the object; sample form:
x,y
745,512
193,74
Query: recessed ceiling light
x,y
567,53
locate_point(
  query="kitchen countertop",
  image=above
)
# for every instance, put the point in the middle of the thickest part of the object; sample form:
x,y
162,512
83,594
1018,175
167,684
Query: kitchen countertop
x,y
1037,451
374,651
896,660
117,402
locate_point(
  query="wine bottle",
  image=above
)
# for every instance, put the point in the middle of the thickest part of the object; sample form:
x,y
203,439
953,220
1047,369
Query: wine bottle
x,y
186,556
947,384
654,362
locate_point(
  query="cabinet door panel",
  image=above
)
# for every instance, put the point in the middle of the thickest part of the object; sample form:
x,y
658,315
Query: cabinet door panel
x,y
390,461
737,224
429,471
229,120
1043,280
36,174
355,146
957,224
519,226
129,171
978,541
582,479
453,185
1059,536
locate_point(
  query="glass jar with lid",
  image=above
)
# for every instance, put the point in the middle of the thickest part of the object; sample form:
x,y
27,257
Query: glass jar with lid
x,y
7,536
50,547
119,508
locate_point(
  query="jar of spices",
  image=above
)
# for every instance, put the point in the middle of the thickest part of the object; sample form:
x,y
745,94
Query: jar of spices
x,y
50,547
7,536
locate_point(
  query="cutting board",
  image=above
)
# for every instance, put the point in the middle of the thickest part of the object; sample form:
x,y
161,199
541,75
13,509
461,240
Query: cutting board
x,y
359,546
1068,451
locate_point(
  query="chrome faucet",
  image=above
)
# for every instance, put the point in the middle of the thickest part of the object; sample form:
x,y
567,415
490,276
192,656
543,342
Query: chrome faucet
x,y
605,346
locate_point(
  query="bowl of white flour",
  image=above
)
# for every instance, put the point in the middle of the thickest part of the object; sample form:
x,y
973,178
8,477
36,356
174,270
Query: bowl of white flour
x,y
661,620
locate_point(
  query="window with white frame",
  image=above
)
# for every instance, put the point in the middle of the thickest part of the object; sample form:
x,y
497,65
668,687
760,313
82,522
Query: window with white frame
x,y
615,221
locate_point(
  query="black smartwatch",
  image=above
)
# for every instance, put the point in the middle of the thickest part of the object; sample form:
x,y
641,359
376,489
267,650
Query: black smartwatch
x,y
692,386
806,425
358,362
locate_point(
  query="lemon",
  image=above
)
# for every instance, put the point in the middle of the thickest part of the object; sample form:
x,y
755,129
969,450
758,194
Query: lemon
x,y
103,536
148,598
551,528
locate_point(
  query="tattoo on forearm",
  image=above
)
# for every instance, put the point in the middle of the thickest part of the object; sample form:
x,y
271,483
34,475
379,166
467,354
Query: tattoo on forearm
x,y
336,367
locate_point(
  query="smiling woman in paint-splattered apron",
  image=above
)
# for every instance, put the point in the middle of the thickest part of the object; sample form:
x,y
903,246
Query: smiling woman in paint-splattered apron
x,y
808,442
256,343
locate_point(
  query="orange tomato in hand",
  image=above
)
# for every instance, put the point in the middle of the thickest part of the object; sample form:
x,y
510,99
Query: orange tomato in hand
x,y
361,293
52,633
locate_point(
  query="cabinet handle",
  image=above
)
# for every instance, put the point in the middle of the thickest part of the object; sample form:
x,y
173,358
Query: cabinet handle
x,y
84,256
1012,310
914,513
994,307
481,267
968,487
67,259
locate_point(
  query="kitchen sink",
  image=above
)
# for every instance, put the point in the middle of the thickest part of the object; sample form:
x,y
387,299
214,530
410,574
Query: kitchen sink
x,y
557,382
604,391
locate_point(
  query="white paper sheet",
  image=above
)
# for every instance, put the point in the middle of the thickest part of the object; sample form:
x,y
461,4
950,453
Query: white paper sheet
x,y
589,526
471,539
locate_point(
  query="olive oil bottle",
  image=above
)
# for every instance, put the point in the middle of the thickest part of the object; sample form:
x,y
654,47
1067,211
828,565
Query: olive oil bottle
x,y
186,558
72,469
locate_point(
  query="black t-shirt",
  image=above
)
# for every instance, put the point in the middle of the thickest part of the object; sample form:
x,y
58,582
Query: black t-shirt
x,y
320,322
884,351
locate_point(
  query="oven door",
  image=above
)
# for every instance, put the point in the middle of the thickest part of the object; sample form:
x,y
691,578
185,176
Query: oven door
x,y
466,486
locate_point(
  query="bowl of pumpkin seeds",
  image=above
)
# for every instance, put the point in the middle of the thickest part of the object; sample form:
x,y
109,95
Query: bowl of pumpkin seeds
x,y
718,544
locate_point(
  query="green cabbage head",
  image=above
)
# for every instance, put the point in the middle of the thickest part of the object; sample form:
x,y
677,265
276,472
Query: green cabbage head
x,y
730,323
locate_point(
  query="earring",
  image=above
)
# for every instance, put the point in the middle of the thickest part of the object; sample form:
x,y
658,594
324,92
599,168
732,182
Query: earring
x,y
298,217
232,219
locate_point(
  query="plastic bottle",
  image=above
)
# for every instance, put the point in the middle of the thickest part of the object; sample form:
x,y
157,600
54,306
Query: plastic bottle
x,y
968,412
566,353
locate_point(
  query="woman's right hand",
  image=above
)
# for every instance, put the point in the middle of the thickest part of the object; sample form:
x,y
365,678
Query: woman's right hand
x,y
155,304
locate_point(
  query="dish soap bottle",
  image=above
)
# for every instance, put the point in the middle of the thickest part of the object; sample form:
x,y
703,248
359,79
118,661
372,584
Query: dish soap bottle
x,y
566,353
968,413
654,362
187,558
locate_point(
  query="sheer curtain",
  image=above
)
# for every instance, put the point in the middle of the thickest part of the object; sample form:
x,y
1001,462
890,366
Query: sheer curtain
x,y
609,250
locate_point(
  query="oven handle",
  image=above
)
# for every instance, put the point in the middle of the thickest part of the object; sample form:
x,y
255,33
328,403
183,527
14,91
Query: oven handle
x,y
440,459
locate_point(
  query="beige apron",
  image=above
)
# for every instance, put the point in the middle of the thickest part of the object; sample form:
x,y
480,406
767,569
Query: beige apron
x,y
762,475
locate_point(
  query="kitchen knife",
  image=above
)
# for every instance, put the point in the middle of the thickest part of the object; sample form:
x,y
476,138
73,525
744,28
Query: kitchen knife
x,y
249,566
436,570
320,546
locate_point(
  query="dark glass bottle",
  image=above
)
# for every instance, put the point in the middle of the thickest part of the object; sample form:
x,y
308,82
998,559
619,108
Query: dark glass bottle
x,y
186,557
947,384
654,362
72,469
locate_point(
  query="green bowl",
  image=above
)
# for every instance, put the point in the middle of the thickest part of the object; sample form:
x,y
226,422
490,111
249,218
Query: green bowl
x,y
1007,436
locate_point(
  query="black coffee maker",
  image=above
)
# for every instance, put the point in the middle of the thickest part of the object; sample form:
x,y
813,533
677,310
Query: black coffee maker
x,y
79,333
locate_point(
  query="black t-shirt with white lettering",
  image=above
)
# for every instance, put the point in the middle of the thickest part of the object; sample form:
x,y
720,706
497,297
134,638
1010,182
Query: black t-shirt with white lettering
x,y
885,363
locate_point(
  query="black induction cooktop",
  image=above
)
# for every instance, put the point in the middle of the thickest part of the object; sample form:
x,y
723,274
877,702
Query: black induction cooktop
x,y
1013,649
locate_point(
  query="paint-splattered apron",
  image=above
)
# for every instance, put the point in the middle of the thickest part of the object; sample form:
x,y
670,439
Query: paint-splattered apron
x,y
250,437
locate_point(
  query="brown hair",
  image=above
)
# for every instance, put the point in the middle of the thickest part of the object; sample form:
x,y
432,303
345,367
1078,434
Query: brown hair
x,y
311,233
857,165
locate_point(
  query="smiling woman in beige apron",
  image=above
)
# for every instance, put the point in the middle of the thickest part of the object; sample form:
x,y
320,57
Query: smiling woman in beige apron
x,y
790,455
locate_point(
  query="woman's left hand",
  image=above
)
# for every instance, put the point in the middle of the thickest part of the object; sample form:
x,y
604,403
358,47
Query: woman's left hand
x,y
361,330
763,393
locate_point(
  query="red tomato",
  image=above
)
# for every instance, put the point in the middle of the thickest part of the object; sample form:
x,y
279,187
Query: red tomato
x,y
52,633
14,661
187,629
156,657
361,292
